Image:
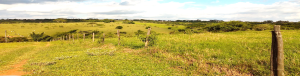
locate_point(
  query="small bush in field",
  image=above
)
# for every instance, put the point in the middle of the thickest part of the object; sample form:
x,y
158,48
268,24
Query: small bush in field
x,y
147,27
119,27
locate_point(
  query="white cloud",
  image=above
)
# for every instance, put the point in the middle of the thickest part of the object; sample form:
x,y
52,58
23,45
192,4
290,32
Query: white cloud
x,y
152,9
217,1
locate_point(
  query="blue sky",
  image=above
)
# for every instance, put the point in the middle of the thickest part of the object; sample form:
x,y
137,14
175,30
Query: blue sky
x,y
245,10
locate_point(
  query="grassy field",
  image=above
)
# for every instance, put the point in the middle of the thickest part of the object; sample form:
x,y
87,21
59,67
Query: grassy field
x,y
229,53
24,29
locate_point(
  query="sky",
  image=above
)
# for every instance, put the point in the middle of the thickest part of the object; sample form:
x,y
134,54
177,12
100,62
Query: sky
x,y
227,10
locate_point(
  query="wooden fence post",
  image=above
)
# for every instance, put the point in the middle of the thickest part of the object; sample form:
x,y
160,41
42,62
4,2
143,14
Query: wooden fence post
x,y
103,37
277,55
83,36
93,37
69,37
5,36
118,32
147,38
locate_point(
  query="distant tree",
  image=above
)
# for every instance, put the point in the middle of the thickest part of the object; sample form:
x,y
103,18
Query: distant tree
x,y
139,32
106,21
36,37
119,27
268,21
148,27
126,21
40,37
58,20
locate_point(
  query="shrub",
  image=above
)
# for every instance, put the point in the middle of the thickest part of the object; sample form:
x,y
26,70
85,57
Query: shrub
x,y
40,37
227,26
18,39
169,27
126,21
261,27
152,38
119,27
181,30
139,32
148,27
2,39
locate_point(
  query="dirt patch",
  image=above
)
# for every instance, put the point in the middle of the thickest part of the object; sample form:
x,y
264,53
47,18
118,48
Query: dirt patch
x,y
17,69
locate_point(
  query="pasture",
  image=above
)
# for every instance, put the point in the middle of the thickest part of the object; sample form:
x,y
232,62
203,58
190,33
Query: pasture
x,y
24,29
227,53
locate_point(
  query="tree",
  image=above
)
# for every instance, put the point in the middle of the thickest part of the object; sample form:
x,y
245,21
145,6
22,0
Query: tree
x,y
119,27
36,37
139,32
148,27
60,20
40,37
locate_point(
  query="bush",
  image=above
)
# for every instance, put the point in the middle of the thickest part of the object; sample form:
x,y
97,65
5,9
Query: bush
x,y
40,37
139,32
228,26
152,38
126,21
2,39
148,27
261,27
18,39
119,27
169,27
181,30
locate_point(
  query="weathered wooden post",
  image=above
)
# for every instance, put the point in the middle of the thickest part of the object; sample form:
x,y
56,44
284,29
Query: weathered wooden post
x,y
83,36
103,37
93,37
277,55
69,37
5,36
63,38
66,37
147,38
118,32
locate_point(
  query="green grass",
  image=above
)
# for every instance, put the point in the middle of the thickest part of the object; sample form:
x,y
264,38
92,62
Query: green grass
x,y
14,52
228,53
86,58
25,29
242,51
175,27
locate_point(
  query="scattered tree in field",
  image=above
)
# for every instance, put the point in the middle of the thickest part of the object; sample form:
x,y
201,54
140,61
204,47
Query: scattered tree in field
x,y
139,32
148,27
126,21
107,20
58,20
169,27
181,30
40,37
119,27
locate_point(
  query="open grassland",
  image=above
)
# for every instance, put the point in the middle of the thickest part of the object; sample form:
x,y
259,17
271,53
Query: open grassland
x,y
229,53
223,53
24,29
